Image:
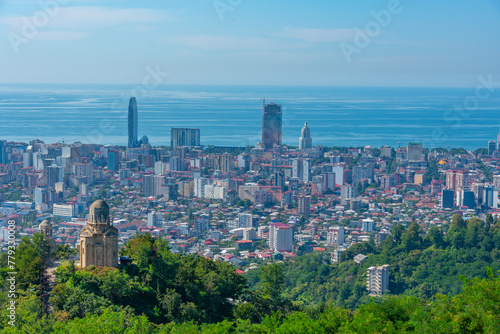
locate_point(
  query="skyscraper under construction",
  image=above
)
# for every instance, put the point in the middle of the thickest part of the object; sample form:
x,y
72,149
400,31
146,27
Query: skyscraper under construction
x,y
271,125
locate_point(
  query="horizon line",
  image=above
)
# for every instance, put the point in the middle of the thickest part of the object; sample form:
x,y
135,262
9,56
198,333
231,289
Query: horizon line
x,y
231,84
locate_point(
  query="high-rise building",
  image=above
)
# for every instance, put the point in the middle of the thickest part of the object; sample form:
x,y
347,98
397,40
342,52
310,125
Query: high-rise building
x,y
3,152
280,237
478,189
367,225
415,152
64,210
184,137
84,170
306,170
158,182
27,159
304,205
199,187
456,180
83,189
492,145
154,219
133,124
176,164
114,159
271,125
297,168
361,173
224,162
328,181
159,168
148,185
335,236
305,140
54,174
386,151
186,188
466,198
377,279
490,196
214,192
279,179
339,174
249,233
498,141
447,198
246,220
41,195
347,192
202,222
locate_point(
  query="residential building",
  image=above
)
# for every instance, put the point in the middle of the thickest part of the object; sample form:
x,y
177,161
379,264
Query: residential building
x,y
304,205
280,237
377,279
184,137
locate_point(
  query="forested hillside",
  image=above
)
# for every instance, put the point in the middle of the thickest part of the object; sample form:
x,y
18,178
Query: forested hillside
x,y
438,284
420,265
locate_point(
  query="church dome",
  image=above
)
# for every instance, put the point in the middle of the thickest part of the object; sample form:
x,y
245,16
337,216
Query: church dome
x,y
45,223
99,212
99,204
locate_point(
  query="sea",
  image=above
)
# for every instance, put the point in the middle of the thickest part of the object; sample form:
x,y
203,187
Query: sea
x,y
232,115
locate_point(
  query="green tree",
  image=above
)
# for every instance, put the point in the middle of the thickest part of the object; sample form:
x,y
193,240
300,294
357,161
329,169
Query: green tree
x,y
272,281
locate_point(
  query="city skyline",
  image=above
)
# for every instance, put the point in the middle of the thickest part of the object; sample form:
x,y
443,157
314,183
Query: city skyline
x,y
329,161
271,127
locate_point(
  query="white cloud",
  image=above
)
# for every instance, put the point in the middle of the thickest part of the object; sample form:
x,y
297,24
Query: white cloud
x,y
89,17
57,35
214,42
317,35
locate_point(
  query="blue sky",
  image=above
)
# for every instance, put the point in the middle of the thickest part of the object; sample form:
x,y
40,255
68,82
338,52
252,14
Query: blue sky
x,y
258,42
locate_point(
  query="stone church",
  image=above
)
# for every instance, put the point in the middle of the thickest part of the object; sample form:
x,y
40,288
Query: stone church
x,y
99,238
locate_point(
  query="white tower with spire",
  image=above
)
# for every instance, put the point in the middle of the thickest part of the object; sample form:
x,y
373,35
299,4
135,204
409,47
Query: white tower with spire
x,y
305,140
498,141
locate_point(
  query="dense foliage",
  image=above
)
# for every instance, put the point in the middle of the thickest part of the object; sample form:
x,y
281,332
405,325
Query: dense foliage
x,y
473,311
162,292
420,265
159,284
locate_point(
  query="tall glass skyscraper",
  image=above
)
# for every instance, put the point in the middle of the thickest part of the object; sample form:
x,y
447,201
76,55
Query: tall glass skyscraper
x,y
132,123
271,125
492,145
3,156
